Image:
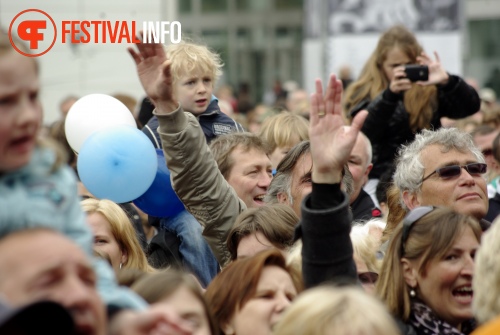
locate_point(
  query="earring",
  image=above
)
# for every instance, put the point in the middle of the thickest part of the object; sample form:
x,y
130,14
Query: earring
x,y
413,294
120,265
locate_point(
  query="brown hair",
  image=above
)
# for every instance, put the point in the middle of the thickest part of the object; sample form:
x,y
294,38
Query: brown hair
x,y
276,222
237,284
154,287
224,145
396,212
6,46
430,238
419,101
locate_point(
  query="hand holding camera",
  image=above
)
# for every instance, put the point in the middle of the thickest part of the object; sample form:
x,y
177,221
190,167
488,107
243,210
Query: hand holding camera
x,y
427,72
437,74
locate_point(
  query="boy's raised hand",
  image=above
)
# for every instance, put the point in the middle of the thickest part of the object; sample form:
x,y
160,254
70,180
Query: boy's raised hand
x,y
331,143
153,69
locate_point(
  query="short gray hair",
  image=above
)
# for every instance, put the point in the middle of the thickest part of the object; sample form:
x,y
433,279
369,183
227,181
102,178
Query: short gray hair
x,y
368,147
282,181
409,168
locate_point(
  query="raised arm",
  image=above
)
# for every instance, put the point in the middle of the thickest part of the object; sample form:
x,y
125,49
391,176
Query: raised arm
x,y
195,176
326,218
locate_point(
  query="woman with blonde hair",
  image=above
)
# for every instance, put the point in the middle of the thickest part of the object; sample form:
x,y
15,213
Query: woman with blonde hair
x,y
427,273
114,235
336,310
399,108
364,253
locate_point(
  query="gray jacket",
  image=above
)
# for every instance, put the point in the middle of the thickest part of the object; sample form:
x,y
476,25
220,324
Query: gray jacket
x,y
197,180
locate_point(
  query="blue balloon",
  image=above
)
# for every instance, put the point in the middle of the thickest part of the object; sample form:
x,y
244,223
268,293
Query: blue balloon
x,y
118,164
160,199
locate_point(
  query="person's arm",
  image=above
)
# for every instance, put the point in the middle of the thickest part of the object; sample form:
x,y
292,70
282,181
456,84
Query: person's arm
x,y
327,253
457,99
326,245
197,180
194,172
380,110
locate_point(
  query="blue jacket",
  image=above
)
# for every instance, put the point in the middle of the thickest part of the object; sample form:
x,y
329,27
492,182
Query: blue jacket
x,y
36,196
213,122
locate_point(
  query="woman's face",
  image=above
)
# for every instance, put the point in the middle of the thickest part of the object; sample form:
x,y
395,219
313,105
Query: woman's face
x,y
365,276
395,57
259,315
190,309
446,286
104,241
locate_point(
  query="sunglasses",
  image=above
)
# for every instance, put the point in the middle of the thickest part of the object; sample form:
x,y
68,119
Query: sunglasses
x,y
413,216
455,170
368,277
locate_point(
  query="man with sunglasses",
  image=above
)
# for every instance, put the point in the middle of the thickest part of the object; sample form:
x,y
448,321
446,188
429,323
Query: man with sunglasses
x,y
443,168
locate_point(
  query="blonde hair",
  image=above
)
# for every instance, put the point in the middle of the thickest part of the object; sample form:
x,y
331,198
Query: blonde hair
x,y
122,230
336,310
486,282
294,261
419,101
284,129
188,57
365,247
430,238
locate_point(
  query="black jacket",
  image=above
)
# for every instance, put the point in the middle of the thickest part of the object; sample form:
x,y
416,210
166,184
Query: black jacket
x,y
327,253
363,208
212,121
387,125
494,208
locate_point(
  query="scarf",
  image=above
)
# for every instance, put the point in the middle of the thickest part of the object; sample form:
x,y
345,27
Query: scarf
x,y
423,319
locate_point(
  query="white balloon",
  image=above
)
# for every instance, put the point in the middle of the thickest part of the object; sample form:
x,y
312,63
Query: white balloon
x,y
92,113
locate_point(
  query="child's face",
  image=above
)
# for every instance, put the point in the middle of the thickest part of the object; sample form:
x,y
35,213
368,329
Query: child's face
x,y
194,91
20,110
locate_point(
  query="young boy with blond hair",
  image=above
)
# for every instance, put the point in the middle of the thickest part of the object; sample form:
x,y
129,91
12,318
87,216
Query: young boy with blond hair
x,y
194,69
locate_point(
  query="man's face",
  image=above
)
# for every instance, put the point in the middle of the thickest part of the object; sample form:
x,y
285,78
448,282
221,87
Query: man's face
x,y
194,91
250,175
465,193
485,144
359,166
301,183
43,265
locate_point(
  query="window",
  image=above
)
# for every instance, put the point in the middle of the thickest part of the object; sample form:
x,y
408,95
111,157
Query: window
x,y
208,6
185,6
252,5
288,4
484,41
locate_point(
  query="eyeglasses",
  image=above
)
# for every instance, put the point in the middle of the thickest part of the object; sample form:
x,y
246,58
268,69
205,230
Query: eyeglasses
x,y
368,277
413,216
455,170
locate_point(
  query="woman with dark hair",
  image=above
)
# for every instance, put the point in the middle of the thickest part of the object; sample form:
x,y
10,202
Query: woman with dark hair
x,y
426,275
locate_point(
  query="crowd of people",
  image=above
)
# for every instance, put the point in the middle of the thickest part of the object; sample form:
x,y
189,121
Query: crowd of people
x,y
356,212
